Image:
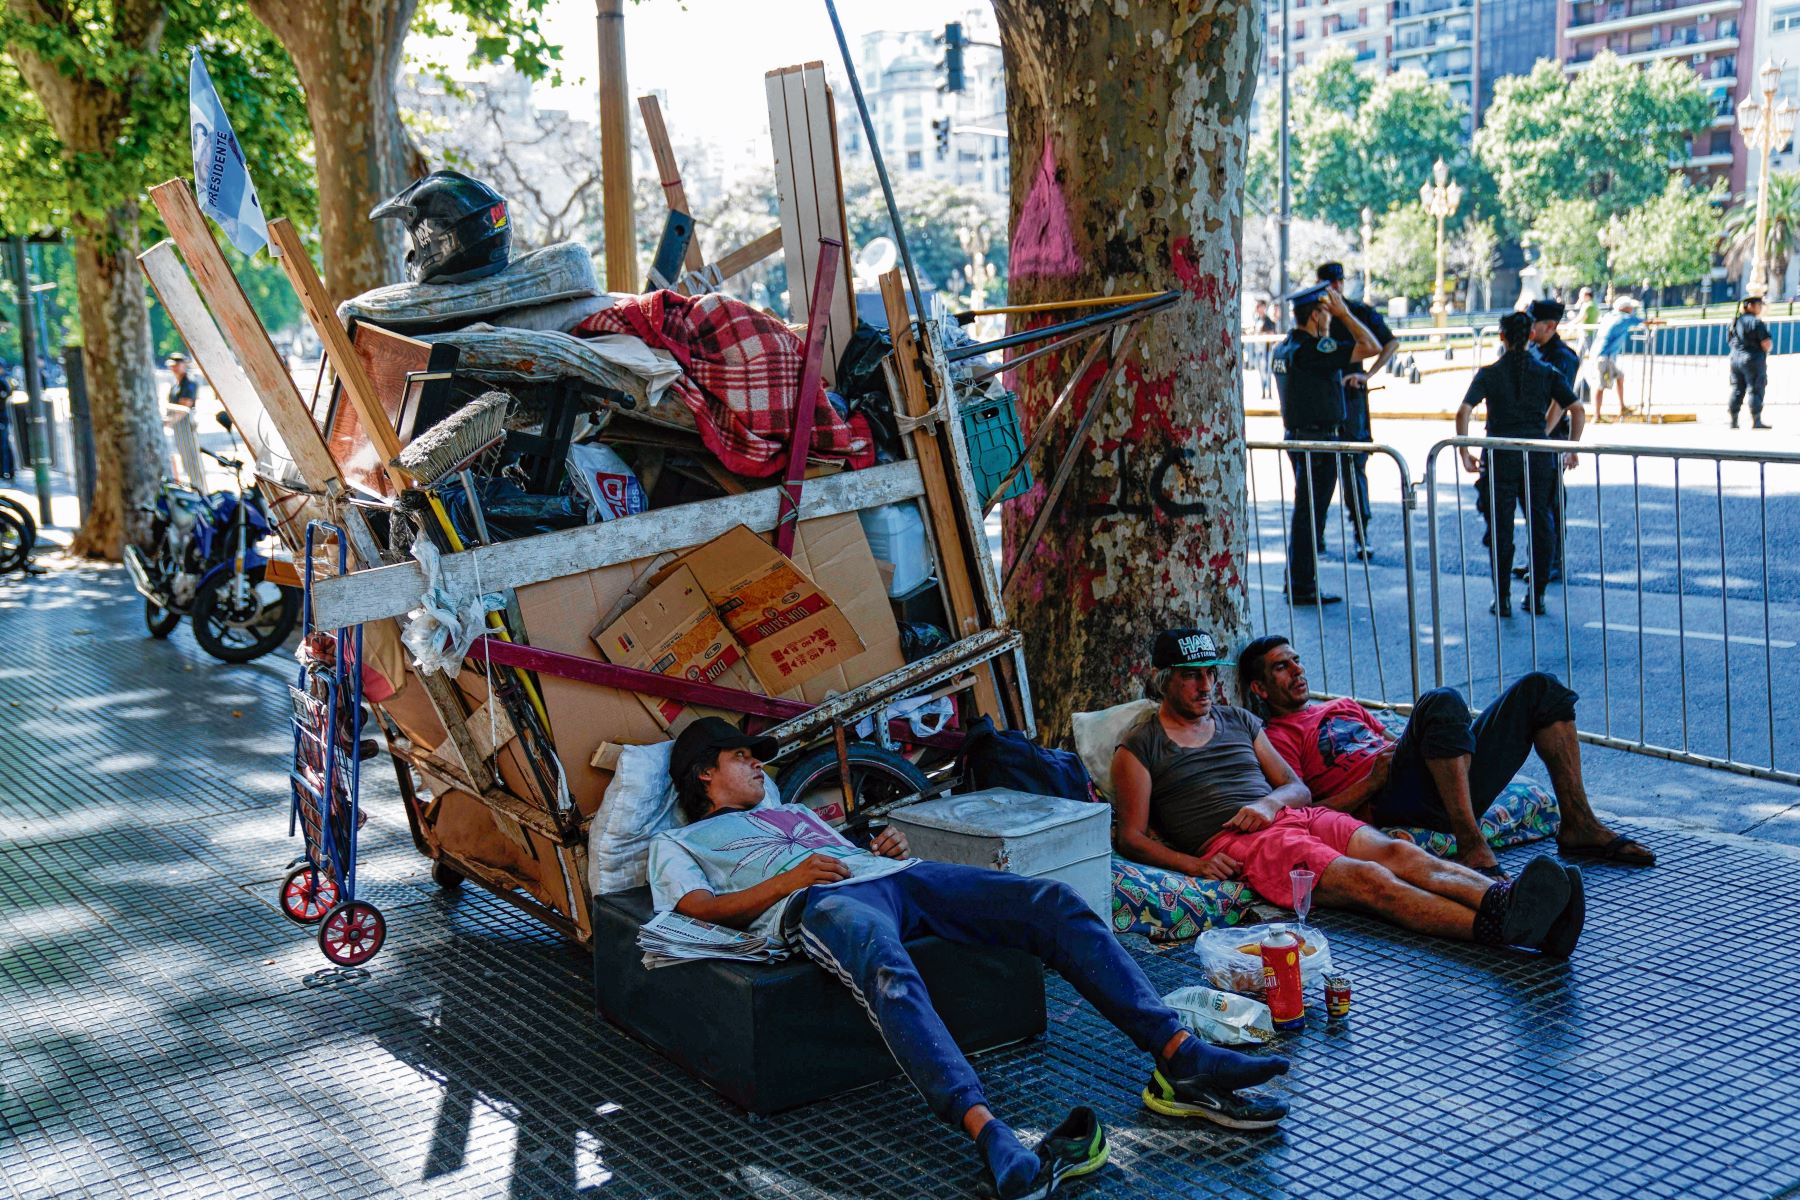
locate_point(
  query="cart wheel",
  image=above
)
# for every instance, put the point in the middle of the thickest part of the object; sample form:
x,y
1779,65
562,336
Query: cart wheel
x,y
352,933
446,877
307,894
878,778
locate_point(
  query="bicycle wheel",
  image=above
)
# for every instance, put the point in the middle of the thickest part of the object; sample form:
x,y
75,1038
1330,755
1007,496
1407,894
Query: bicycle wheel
x,y
879,778
237,633
27,522
14,549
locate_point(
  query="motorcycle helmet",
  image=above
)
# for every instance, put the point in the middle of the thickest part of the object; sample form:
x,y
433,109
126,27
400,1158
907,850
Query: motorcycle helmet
x,y
456,228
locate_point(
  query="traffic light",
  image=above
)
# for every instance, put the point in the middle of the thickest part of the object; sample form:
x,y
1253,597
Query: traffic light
x,y
941,127
953,56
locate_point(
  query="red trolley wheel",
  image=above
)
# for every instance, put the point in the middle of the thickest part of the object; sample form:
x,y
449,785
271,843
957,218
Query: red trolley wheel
x,y
351,933
307,894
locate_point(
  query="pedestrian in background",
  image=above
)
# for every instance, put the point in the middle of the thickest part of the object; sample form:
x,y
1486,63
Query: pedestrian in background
x,y
1309,365
1548,348
1525,399
1263,325
185,391
1357,426
1610,341
1750,345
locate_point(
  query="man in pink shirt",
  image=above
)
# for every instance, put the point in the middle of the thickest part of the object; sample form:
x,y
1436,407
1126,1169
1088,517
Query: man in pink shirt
x,y
1447,767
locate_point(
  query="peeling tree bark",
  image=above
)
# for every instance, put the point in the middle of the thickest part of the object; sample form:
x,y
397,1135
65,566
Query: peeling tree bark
x,y
87,115
348,56
1128,127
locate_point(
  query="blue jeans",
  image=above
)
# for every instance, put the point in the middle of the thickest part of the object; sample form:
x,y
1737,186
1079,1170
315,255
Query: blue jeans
x,y
856,932
1497,743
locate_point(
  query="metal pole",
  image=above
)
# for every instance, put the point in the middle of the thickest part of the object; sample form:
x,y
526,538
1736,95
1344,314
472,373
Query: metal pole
x,y
34,386
81,428
1286,215
887,187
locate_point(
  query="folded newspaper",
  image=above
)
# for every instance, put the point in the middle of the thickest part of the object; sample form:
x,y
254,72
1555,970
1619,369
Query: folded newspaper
x,y
668,938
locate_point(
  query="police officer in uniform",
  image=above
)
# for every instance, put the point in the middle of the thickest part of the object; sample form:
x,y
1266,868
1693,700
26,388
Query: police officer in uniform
x,y
1750,345
1525,399
1356,427
1548,348
1308,365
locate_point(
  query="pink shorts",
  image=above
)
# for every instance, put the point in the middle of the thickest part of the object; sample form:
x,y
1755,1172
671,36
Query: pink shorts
x,y
1313,837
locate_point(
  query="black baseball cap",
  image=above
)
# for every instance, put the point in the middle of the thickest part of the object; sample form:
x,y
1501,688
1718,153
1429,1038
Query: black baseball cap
x,y
1750,300
1186,648
1331,272
699,745
1546,310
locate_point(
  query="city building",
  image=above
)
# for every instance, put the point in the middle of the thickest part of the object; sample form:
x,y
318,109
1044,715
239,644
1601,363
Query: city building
x,y
1713,37
959,137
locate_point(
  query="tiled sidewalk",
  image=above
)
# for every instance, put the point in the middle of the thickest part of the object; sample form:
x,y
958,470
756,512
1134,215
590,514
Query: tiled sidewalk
x,y
165,1033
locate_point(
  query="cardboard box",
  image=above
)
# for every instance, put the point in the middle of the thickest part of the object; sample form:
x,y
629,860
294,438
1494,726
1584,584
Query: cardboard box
x,y
675,631
789,627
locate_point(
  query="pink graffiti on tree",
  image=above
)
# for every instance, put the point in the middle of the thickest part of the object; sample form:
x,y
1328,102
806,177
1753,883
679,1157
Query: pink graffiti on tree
x,y
1043,244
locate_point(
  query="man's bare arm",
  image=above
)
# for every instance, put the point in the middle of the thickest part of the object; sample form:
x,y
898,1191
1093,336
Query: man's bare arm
x,y
1131,805
1288,791
739,909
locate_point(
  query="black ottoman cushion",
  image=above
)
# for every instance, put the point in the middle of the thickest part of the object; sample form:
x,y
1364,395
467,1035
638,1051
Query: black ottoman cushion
x,y
773,1036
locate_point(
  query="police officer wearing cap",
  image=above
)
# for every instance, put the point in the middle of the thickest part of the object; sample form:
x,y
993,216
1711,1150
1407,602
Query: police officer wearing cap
x,y
1548,348
1309,365
1750,345
1356,427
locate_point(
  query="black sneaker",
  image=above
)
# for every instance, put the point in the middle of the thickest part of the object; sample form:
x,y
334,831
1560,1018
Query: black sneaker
x,y
1076,1147
1565,931
1197,1097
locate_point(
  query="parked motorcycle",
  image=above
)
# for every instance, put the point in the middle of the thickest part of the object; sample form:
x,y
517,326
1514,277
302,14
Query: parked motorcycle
x,y
204,563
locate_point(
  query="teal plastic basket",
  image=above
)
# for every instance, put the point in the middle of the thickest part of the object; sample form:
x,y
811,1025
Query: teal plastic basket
x,y
991,430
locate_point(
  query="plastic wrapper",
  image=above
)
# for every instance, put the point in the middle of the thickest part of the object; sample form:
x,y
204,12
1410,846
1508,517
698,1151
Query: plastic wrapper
x,y
1232,957
608,484
1222,1017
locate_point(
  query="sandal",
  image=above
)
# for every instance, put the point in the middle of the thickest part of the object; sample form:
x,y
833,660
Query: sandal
x,y
1623,849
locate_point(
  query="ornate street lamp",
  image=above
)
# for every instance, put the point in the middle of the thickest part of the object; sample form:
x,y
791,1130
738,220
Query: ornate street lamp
x,y
1767,128
1440,198
1368,234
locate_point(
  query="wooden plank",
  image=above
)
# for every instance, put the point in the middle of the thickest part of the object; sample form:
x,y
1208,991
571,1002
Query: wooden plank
x,y
782,128
345,361
749,254
392,591
615,151
265,369
175,290
669,172
953,549
834,223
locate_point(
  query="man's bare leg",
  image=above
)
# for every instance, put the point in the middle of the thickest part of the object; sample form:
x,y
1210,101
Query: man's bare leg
x,y
1560,749
1352,882
1451,777
1422,869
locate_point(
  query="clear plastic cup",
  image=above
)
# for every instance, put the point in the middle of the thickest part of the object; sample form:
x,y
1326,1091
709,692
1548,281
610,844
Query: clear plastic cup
x,y
1303,891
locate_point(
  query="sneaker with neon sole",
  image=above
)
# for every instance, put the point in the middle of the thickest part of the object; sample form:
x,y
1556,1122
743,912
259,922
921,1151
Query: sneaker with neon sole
x,y
1200,1097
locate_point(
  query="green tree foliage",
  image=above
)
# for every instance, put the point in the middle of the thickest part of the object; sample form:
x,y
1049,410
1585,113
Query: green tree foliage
x,y
1569,240
1403,254
939,218
1668,241
1357,142
1782,238
1606,134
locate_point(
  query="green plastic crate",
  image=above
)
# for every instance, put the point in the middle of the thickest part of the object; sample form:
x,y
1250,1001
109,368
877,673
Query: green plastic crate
x,y
991,430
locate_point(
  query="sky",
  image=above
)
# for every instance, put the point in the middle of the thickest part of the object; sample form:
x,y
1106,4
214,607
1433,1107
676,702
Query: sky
x,y
709,56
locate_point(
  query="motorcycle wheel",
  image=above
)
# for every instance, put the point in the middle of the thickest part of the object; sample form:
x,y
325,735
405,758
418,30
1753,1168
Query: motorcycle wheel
x,y
239,636
878,779
159,620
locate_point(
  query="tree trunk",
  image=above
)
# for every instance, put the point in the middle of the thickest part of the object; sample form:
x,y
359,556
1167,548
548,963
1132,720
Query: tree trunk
x,y
1128,127
121,383
348,56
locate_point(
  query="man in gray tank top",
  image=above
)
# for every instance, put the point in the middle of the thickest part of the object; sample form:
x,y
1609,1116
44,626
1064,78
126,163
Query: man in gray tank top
x,y
1199,789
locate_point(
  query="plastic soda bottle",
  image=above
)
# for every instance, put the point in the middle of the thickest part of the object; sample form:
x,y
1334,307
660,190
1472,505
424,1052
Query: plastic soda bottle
x,y
1281,979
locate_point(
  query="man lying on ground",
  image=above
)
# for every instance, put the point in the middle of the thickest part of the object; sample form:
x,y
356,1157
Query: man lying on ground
x,y
1445,770
780,870
1224,805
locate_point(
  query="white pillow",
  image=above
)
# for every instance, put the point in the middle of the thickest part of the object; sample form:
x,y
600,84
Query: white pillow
x,y
1097,735
639,804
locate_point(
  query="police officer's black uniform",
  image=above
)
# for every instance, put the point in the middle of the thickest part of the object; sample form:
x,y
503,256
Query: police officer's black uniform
x,y
1307,371
1560,357
1356,426
1749,365
1518,391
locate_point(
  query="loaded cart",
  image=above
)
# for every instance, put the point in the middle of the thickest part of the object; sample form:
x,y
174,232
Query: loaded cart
x,y
565,523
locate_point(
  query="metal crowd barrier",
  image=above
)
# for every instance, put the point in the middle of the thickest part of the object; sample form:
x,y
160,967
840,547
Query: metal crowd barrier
x,y
1650,661
1355,627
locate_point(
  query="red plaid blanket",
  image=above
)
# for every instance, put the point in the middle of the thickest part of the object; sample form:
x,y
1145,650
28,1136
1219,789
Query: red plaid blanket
x,y
743,372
